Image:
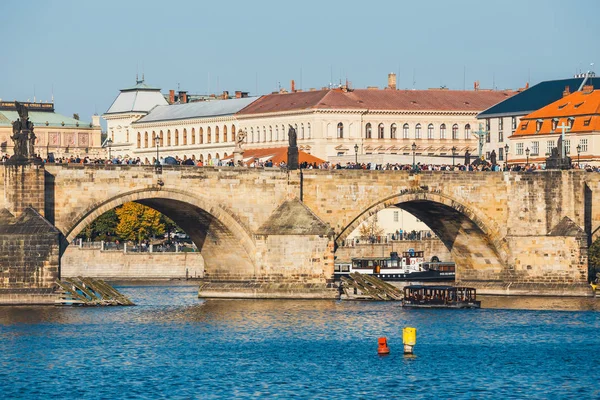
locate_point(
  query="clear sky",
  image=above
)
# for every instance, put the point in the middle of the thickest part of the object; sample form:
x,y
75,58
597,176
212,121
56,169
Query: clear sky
x,y
85,51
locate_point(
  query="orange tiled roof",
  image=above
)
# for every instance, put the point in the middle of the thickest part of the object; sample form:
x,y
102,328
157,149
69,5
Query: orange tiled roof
x,y
277,155
582,107
411,100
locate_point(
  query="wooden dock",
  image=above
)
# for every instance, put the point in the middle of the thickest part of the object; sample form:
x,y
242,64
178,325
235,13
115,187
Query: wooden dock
x,y
89,292
365,287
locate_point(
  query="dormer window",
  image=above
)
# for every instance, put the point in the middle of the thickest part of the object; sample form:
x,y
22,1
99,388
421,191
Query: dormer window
x,y
554,123
562,106
587,122
538,125
524,126
571,121
578,105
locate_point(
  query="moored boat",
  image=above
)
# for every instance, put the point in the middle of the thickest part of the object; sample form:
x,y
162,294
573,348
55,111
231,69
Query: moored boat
x,y
440,297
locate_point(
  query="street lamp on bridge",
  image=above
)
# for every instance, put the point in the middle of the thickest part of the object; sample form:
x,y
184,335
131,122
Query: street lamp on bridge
x,y
414,148
109,143
453,154
578,155
356,154
527,154
157,164
506,155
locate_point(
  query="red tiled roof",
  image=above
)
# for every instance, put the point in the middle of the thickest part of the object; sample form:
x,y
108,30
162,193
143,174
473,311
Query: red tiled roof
x,y
411,100
583,107
277,155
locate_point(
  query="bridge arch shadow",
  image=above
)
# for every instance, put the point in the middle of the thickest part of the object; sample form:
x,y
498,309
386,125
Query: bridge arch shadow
x,y
226,245
475,242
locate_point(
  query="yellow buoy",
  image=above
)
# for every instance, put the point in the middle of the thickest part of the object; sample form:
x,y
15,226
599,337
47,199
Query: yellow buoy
x,y
409,339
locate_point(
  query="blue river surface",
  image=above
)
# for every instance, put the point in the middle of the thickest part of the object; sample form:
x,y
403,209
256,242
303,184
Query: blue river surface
x,y
174,345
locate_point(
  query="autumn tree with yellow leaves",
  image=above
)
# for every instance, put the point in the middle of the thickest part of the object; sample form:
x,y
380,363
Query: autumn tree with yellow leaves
x,y
138,222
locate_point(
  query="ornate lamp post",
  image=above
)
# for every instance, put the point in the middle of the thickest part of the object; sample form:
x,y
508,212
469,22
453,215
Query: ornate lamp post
x,y
527,154
109,143
453,154
356,154
506,155
578,155
414,148
157,164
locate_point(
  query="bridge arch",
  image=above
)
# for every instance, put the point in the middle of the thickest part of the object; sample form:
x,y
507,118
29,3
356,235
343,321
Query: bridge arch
x,y
474,240
226,245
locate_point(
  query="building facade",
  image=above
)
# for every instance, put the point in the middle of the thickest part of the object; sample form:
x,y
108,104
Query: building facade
x,y
56,134
578,114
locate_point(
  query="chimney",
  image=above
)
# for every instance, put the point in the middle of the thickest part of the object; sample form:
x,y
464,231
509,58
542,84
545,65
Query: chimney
x,y
588,89
238,94
95,120
293,86
566,92
171,96
182,97
391,81
476,85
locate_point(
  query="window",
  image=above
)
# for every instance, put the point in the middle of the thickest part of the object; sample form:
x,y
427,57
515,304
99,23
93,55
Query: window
x,y
538,125
251,135
145,139
549,146
184,136
393,131
514,123
584,145
571,121
578,104
487,137
154,139
405,129
127,133
193,135
380,131
430,131
308,127
500,136
396,213
418,131
233,133
535,148
276,133
468,131
162,143
169,137
208,135
216,134
519,149
554,123
500,124
443,131
368,131
501,154
201,136
524,126
455,131
176,137
562,106
587,122
340,130
224,134
487,155
139,140
301,131
487,124
270,133
567,146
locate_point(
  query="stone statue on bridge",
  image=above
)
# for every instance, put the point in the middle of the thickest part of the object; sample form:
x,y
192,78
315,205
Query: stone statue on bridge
x,y
493,157
23,136
238,152
467,157
292,161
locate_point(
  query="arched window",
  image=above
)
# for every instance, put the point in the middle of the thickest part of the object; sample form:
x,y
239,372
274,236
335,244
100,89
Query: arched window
x,y
468,131
380,131
176,137
216,134
301,131
393,131
283,132
112,136
184,136
201,135
443,131
233,133
276,133
208,136
224,155
418,131
201,156
405,134
154,139
308,127
251,135
193,136
217,156
208,158
127,134
340,130
145,139
168,137
162,142
270,133
139,140
455,131
264,137
368,131
430,131
224,133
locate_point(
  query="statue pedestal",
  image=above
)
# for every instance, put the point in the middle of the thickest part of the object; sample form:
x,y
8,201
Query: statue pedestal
x,y
292,163
238,157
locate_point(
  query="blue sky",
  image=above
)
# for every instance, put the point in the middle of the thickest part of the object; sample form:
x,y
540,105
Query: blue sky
x,y
85,51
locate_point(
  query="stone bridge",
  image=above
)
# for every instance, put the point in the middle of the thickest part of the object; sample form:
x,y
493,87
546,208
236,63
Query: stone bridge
x,y
503,229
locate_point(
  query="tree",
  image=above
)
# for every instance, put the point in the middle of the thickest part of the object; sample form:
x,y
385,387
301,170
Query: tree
x,y
370,229
138,222
102,228
594,259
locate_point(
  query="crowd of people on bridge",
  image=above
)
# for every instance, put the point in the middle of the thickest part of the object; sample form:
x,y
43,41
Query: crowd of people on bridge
x,y
418,167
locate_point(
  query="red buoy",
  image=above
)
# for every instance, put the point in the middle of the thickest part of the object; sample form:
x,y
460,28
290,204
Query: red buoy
x,y
382,348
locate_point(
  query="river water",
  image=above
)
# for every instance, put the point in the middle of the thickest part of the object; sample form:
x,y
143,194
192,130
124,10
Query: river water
x,y
173,345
